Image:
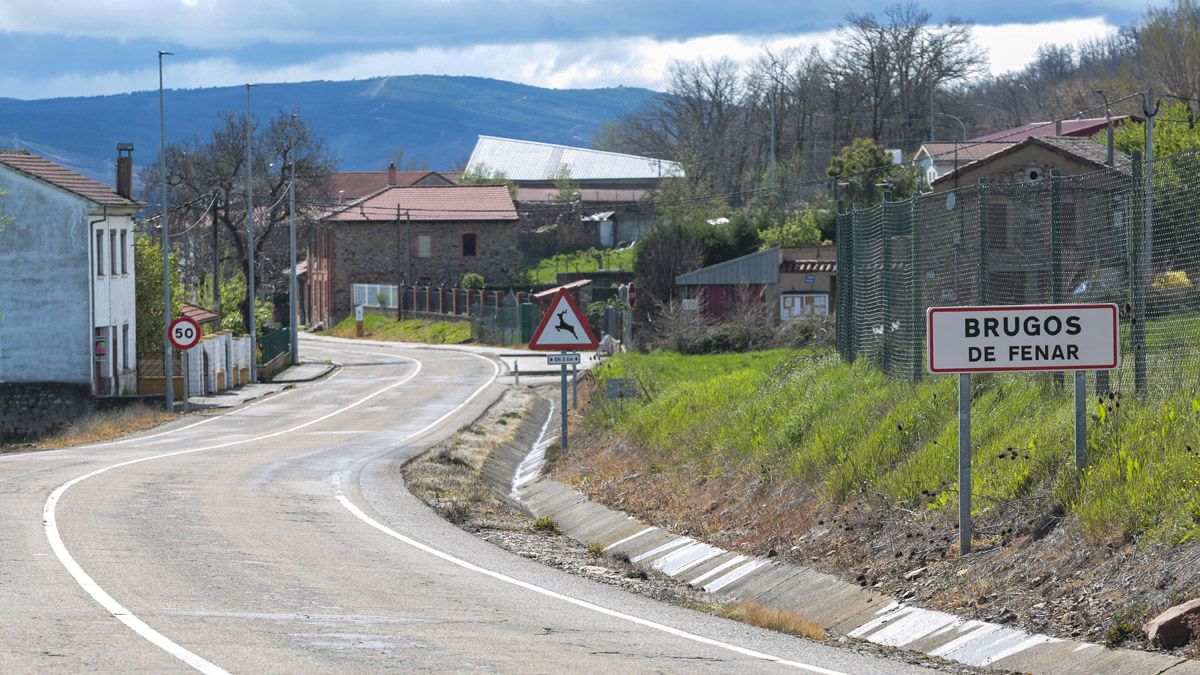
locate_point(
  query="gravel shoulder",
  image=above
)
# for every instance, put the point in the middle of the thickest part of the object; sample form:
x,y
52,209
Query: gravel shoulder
x,y
448,478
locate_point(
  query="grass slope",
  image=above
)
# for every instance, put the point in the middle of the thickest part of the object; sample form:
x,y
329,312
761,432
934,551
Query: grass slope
x,y
547,269
408,330
847,430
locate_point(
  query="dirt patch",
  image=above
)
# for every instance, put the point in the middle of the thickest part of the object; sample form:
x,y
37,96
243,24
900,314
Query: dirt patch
x,y
447,477
97,427
1030,567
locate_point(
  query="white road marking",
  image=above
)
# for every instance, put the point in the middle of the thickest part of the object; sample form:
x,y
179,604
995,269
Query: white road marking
x,y
89,585
358,513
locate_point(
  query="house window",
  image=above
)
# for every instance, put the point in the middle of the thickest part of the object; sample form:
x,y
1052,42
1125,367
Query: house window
x,y
125,344
997,224
124,252
100,254
468,245
113,252
424,246
794,306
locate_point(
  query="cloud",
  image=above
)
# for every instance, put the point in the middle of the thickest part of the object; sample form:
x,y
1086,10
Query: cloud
x,y
596,62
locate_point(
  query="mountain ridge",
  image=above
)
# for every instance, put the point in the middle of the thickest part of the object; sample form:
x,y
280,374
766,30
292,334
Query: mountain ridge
x,y
431,120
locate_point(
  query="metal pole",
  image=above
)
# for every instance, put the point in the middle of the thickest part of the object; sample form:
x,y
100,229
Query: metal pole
x,y
964,463
216,263
1080,419
168,370
1146,267
574,388
563,442
186,381
293,313
250,248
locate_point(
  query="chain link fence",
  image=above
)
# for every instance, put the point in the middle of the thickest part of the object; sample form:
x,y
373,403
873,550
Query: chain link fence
x,y
1097,237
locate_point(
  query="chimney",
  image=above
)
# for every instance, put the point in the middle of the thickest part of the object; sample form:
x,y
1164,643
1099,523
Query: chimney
x,y
1058,127
125,170
391,174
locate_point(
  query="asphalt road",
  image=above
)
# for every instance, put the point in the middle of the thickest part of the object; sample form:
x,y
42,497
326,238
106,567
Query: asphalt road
x,y
279,538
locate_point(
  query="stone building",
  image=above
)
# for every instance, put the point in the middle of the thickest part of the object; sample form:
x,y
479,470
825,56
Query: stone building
x,y
403,235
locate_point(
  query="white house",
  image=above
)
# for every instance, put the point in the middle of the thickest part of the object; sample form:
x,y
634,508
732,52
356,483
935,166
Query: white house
x,y
67,310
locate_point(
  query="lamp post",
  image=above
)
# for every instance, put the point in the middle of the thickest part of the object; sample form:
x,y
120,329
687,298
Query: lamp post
x,y
168,370
956,118
963,127
250,244
293,314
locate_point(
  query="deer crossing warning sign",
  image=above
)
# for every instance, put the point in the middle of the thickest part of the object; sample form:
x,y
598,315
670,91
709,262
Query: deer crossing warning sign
x,y
563,327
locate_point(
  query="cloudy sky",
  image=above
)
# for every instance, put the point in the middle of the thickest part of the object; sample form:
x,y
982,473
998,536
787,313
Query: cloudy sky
x,y
88,47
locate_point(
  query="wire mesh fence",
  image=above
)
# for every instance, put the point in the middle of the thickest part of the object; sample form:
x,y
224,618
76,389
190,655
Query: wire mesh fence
x,y
1124,235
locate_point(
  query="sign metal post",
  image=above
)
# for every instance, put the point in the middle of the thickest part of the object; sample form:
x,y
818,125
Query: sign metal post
x,y
563,328
1010,338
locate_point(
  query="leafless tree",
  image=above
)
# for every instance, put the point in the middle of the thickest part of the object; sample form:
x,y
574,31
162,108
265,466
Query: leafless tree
x,y
210,175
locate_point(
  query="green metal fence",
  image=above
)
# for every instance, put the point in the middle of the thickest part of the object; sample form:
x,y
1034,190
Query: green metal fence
x,y
273,344
1116,235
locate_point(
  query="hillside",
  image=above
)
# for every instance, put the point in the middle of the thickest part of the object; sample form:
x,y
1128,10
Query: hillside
x,y
435,119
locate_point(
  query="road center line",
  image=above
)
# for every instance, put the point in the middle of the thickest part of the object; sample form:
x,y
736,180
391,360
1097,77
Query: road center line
x,y
89,585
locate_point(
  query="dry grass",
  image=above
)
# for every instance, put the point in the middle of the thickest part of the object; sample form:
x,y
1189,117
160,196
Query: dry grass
x,y
781,620
100,427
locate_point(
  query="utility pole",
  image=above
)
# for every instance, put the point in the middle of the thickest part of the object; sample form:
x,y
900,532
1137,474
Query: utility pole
x,y
250,244
168,370
1102,382
293,314
216,261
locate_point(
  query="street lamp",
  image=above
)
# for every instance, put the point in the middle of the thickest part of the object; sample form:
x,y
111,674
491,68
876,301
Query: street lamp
x,y
960,123
168,370
250,244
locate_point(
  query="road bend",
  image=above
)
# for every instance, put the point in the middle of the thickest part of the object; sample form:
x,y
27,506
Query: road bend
x,y
280,538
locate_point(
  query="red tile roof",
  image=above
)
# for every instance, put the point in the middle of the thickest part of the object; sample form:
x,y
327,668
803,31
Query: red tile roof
x,y
65,179
197,313
458,203
354,184
1083,127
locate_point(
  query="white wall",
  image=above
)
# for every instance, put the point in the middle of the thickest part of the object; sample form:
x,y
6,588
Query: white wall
x,y
45,333
114,293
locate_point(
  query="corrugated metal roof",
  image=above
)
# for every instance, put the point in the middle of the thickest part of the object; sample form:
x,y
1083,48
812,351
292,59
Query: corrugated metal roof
x,y
761,267
530,160
456,203
65,179
586,195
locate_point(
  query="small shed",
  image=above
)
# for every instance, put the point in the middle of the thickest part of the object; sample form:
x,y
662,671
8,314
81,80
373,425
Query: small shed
x,y
788,283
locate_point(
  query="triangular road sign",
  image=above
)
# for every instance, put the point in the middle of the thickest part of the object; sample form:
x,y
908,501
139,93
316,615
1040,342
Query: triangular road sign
x,y
563,327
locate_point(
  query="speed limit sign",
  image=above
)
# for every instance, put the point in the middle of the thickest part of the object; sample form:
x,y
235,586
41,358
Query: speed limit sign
x,y
184,333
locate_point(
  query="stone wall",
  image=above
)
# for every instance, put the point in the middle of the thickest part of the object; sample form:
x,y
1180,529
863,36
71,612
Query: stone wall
x,y
377,253
28,410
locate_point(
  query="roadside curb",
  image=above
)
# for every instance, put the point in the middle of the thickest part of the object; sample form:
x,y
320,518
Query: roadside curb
x,y
514,473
